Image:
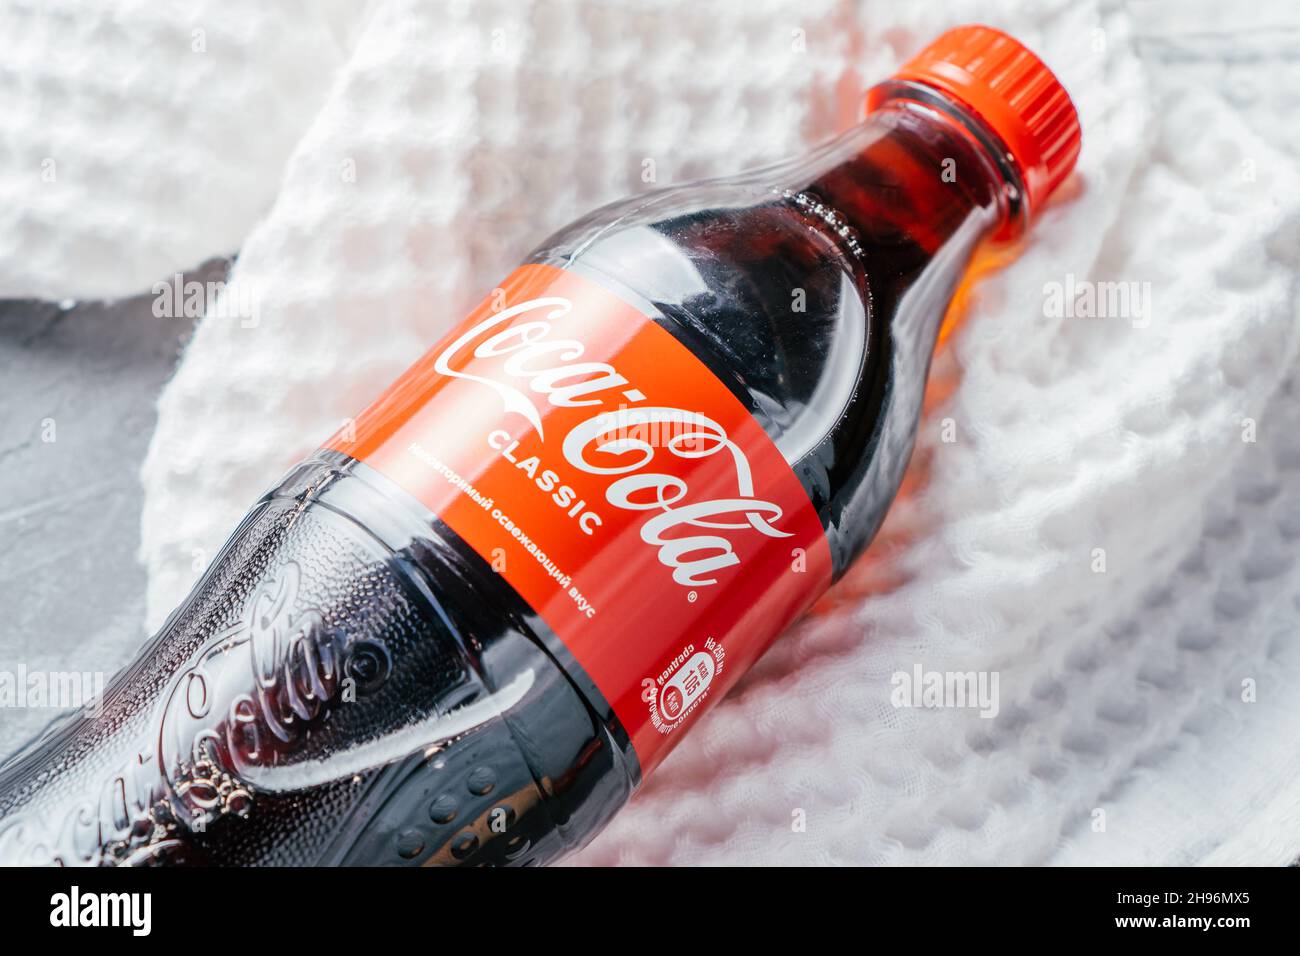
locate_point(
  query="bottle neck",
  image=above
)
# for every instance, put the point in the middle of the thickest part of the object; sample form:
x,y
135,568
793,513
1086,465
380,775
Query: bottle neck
x,y
921,171
917,193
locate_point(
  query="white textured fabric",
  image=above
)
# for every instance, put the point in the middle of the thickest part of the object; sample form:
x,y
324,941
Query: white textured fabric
x,y
457,135
139,138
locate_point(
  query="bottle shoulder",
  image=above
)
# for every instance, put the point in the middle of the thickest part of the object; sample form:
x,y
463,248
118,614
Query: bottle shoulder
x,y
771,291
768,296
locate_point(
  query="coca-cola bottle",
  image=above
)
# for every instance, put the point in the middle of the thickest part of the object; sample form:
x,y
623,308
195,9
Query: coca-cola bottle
x,y
466,628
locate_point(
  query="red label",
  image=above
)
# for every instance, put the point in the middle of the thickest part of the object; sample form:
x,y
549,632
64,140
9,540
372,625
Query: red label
x,y
618,486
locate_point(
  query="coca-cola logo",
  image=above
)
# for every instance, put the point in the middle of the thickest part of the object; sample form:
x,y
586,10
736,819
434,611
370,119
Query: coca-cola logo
x,y
537,367
522,344
234,721
243,700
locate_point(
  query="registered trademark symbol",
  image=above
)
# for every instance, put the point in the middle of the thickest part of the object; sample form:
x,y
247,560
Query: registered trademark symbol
x,y
691,596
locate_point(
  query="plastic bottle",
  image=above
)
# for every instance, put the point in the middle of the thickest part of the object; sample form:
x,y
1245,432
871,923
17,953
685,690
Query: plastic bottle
x,y
466,629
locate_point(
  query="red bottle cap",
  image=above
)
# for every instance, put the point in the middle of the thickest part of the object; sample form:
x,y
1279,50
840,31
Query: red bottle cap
x,y
1014,92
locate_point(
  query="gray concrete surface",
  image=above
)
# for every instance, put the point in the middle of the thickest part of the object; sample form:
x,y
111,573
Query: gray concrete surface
x,y
77,391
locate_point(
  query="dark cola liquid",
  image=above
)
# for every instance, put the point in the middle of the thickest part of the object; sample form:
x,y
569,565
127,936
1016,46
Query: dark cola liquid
x,y
351,684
